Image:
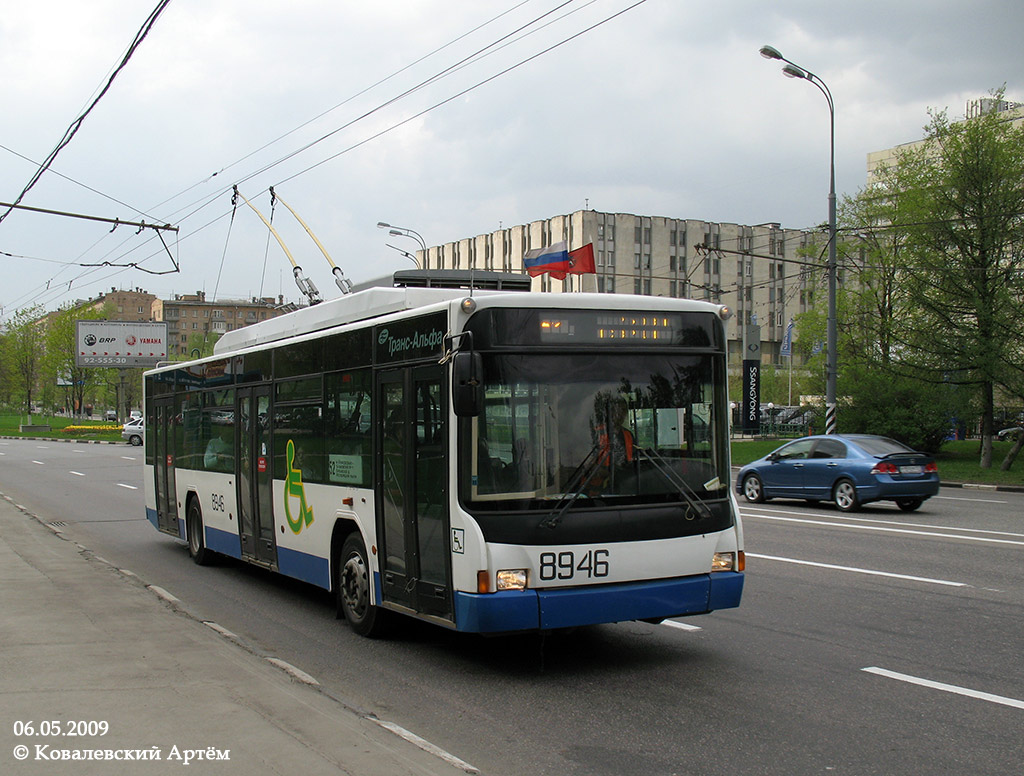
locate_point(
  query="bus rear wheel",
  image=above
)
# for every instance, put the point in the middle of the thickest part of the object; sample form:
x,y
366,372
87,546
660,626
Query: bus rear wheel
x,y
353,590
196,541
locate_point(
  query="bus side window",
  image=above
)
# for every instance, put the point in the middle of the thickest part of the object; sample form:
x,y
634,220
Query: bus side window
x,y
348,427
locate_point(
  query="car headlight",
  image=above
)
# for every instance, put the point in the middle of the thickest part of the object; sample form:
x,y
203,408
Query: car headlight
x,y
510,579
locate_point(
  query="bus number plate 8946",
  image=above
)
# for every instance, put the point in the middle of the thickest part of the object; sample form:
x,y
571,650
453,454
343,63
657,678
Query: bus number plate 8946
x,y
572,565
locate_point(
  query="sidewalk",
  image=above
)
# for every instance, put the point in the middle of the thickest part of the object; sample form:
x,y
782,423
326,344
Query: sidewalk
x,y
86,648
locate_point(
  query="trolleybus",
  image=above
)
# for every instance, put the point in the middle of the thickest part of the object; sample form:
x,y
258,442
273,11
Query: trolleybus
x,y
485,458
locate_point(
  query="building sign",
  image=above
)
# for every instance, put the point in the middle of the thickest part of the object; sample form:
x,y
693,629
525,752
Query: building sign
x,y
751,419
120,343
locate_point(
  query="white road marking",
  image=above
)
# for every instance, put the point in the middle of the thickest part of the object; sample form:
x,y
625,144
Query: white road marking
x,y
128,457
40,463
887,530
977,500
681,625
901,523
984,696
856,570
130,487
78,474
425,745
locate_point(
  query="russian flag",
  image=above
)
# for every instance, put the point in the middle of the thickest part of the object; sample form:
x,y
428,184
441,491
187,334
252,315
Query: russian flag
x,y
558,261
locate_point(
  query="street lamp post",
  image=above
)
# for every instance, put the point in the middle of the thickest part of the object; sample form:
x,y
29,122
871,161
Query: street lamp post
x,y
401,231
792,70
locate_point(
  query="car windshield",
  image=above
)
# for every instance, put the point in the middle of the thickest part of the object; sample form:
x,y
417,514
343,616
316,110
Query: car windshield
x,y
586,429
881,446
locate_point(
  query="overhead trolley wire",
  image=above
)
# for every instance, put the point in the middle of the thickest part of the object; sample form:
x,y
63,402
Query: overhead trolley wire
x,y
72,130
205,202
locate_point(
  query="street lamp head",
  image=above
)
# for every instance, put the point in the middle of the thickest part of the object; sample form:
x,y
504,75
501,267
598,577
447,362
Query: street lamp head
x,y
382,225
770,52
396,232
792,71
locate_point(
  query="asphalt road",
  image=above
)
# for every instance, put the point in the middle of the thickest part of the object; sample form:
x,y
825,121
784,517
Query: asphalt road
x,y
874,643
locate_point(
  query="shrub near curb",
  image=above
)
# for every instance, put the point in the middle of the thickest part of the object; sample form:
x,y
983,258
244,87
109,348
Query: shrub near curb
x,y
80,430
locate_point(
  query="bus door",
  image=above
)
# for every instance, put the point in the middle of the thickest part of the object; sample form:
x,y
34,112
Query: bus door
x,y
412,489
163,465
255,474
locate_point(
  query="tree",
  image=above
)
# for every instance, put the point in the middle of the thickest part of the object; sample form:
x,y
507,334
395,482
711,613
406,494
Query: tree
x,y
61,348
23,351
960,238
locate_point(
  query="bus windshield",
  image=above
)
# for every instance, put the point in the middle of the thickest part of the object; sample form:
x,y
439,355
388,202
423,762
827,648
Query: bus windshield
x,y
596,429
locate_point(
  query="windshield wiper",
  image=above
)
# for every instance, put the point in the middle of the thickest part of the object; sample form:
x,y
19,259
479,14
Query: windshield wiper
x,y
688,493
578,481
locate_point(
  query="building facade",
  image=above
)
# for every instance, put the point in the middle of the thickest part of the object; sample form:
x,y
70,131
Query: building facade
x,y
1011,111
765,273
190,316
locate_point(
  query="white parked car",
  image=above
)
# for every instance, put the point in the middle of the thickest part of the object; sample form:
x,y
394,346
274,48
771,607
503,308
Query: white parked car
x,y
133,431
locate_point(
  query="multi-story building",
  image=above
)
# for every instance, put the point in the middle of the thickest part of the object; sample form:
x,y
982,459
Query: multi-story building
x,y
760,271
133,304
1011,111
189,315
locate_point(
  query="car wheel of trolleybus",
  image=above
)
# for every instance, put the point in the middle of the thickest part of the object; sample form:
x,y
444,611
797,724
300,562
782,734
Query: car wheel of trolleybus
x,y
353,590
196,541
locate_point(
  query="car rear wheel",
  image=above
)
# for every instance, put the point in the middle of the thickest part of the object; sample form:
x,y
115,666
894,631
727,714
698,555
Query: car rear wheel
x,y
753,489
135,440
845,495
909,504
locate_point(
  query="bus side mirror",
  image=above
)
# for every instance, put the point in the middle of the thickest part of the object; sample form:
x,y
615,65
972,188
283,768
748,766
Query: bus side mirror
x,y
467,384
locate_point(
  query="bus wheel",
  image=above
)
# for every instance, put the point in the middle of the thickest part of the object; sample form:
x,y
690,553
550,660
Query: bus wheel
x,y
353,590
196,542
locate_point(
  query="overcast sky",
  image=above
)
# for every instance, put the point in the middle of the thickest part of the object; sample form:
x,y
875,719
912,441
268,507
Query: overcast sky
x,y
666,109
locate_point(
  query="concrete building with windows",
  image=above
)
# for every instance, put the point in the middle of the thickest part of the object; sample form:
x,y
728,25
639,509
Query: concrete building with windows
x,y
1010,111
765,273
191,314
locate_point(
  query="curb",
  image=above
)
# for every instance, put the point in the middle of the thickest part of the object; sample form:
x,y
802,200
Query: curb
x,y
982,486
68,441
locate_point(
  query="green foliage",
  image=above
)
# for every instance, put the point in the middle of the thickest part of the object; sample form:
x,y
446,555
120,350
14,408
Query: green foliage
x,y
940,261
915,412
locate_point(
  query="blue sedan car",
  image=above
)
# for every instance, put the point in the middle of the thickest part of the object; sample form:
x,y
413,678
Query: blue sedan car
x,y
850,470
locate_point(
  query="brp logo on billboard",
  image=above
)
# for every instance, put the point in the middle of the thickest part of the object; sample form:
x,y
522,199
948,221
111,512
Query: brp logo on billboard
x,y
90,339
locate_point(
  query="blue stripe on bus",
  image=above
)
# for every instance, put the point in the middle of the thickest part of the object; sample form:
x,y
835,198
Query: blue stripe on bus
x,y
151,516
726,589
571,607
224,542
301,565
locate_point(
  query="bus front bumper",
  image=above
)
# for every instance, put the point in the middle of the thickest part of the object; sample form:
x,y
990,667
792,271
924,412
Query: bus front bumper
x,y
547,609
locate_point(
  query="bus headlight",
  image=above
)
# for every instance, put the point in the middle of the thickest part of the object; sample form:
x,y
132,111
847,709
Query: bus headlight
x,y
724,561
511,579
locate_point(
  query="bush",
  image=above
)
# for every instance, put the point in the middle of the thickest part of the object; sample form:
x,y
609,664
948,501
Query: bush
x,y
82,430
916,413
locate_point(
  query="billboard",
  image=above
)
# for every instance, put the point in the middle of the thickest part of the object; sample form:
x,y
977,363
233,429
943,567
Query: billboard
x,y
120,343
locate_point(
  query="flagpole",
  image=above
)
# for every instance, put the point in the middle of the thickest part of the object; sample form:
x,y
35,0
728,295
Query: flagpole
x,y
791,376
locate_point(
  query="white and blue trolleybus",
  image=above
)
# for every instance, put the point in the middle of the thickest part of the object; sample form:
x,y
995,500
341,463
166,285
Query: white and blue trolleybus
x,y
481,457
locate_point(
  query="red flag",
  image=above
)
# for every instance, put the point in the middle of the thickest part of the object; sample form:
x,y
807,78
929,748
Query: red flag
x,y
581,261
